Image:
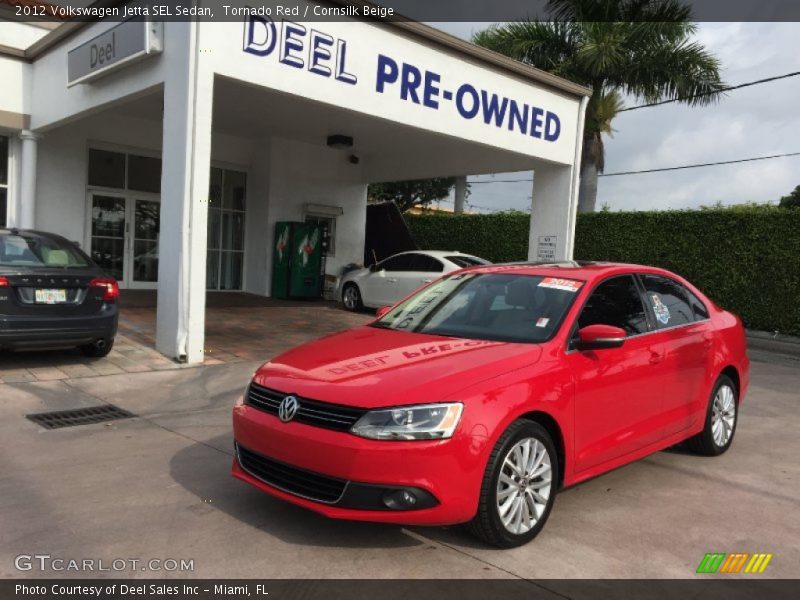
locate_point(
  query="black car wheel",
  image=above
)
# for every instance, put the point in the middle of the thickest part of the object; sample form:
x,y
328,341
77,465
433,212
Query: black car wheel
x,y
351,297
98,348
519,486
721,418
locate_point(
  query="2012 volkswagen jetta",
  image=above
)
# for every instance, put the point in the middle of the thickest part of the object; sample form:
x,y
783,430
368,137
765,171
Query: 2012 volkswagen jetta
x,y
479,396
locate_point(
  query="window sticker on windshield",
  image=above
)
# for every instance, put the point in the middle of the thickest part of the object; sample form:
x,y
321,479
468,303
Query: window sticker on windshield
x,y
567,285
661,310
542,322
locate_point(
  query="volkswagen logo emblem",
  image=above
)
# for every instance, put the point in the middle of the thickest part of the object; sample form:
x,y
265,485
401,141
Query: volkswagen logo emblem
x,y
288,408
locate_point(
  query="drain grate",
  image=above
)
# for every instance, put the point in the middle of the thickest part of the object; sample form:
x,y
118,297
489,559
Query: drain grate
x,y
80,416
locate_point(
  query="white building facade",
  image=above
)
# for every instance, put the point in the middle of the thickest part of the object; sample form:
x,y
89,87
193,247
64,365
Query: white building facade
x,y
170,150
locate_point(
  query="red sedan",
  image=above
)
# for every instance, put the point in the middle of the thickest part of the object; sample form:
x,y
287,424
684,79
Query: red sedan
x,y
479,396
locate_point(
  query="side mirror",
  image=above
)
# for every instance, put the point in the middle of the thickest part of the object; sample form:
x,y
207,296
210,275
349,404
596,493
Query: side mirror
x,y
382,311
598,337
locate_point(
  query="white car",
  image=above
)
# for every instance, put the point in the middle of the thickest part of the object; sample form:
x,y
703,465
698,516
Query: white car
x,y
396,277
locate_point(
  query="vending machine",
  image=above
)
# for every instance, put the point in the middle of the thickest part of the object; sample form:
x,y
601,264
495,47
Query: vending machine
x,y
298,262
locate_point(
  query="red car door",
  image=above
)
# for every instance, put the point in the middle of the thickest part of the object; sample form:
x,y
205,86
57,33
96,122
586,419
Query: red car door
x,y
618,391
684,337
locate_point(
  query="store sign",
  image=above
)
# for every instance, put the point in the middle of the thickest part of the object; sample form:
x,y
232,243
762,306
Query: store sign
x,y
297,46
119,46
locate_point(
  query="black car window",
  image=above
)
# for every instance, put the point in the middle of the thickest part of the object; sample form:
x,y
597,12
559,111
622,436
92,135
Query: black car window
x,y
698,308
615,302
401,262
39,252
426,264
669,301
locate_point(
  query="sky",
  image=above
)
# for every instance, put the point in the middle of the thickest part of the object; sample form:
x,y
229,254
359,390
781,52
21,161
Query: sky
x,y
756,121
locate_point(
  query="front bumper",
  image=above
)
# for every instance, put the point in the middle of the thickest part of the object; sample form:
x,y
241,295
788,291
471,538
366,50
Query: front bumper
x,y
444,475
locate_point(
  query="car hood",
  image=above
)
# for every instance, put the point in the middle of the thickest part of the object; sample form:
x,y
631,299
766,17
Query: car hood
x,y
371,367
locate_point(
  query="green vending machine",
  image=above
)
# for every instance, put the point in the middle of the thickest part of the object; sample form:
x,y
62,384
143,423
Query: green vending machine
x,y
298,262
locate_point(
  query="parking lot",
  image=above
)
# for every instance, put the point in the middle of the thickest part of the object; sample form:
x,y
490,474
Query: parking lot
x,y
157,486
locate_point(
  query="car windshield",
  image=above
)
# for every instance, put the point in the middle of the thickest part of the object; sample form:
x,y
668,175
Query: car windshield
x,y
39,252
488,306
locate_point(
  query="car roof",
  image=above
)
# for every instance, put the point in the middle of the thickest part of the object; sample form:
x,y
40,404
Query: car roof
x,y
29,233
437,253
581,270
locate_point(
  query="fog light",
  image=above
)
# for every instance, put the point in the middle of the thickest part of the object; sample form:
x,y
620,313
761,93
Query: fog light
x,y
400,500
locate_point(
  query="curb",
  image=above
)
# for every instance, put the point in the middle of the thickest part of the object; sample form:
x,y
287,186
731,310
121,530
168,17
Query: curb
x,y
773,342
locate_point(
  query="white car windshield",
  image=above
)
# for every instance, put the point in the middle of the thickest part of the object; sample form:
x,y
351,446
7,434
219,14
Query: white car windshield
x,y
487,306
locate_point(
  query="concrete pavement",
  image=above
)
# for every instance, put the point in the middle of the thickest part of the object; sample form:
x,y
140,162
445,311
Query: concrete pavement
x,y
158,486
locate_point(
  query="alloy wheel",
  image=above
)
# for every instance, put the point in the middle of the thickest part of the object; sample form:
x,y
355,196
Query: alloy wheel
x,y
524,485
350,298
723,415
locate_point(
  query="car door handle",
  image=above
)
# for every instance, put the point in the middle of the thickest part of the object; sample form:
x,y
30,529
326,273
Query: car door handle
x,y
392,280
427,280
655,358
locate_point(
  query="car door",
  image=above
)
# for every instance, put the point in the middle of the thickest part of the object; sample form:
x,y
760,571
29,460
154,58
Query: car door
x,y
686,345
618,391
422,270
379,288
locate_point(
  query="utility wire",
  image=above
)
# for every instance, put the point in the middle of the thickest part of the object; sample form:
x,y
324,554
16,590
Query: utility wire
x,y
725,89
694,166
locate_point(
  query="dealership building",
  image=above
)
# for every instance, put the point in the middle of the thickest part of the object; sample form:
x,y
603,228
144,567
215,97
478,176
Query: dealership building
x,y
170,150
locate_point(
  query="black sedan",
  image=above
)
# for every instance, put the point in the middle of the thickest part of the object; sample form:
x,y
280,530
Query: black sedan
x,y
53,296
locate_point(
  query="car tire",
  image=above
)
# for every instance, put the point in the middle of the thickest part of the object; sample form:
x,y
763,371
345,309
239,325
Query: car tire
x,y
498,497
722,415
98,348
351,297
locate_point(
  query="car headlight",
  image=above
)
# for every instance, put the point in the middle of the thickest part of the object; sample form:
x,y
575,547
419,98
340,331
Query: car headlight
x,y
424,422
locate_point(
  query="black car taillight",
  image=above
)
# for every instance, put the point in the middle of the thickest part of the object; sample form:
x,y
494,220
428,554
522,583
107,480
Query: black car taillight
x,y
110,287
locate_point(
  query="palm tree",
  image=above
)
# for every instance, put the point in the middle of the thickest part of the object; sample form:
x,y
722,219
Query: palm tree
x,y
640,48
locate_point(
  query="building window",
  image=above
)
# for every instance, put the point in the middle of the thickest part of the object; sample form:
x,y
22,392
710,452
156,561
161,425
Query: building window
x,y
124,171
226,217
3,181
329,227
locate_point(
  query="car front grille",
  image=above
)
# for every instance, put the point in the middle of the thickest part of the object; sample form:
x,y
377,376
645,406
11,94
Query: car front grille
x,y
306,484
309,412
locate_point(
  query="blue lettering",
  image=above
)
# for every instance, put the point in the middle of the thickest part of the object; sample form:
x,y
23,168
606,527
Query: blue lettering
x,y
536,122
551,133
411,80
518,116
292,32
387,72
261,47
320,52
431,89
341,73
462,110
491,110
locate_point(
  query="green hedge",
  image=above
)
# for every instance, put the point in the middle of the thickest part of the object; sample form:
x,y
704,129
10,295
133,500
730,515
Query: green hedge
x,y
747,259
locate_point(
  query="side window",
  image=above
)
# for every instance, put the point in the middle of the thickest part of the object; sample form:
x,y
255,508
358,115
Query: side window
x,y
616,302
426,264
401,262
698,308
669,301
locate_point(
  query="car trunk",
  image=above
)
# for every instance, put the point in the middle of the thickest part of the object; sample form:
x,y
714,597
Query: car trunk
x,y
50,293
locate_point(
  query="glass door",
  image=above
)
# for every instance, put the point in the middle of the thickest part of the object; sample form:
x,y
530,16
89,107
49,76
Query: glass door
x,y
109,221
124,237
144,243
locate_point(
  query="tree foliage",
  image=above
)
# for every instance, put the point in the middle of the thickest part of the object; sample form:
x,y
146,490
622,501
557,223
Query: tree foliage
x,y
638,48
792,200
408,194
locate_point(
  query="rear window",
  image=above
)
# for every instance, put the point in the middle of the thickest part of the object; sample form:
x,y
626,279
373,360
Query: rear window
x,y
39,252
466,261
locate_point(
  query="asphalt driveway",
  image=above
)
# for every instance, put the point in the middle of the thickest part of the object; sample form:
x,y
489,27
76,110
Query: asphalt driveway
x,y
158,486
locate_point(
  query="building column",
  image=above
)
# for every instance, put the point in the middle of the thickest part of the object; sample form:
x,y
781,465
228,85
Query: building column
x,y
186,158
460,194
25,213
